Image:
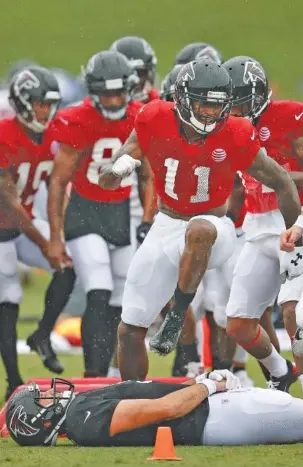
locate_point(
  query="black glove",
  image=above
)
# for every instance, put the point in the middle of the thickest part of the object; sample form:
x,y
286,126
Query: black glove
x,y
142,231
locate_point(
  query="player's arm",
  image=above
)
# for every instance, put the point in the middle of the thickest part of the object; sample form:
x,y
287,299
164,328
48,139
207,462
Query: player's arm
x,y
236,200
131,414
65,163
8,190
147,192
297,177
269,173
297,147
126,159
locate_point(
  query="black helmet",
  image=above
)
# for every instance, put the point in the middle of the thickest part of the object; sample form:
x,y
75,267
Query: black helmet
x,y
203,83
18,66
197,50
106,73
32,424
33,84
140,54
250,85
168,84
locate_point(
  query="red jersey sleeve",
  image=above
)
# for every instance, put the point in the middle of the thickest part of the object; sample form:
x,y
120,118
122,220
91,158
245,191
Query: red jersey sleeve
x,y
144,122
69,130
293,119
247,144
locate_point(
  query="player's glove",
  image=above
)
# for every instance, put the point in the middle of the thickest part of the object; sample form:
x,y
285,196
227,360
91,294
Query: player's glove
x,y
232,381
297,343
125,165
291,264
210,384
142,231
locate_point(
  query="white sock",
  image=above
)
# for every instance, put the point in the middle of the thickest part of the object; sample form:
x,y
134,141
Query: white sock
x,y
241,355
275,364
113,372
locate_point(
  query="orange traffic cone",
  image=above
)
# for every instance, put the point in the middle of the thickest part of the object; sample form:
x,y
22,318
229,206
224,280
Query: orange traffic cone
x,y
164,446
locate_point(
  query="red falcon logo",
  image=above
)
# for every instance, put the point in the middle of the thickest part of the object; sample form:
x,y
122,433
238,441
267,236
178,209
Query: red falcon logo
x,y
18,424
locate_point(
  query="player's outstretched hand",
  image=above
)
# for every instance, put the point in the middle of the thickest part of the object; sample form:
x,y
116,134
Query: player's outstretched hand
x,y
57,256
125,165
289,237
232,381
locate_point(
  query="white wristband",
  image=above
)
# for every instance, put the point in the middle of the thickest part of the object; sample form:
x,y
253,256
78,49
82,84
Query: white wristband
x,y
211,386
299,221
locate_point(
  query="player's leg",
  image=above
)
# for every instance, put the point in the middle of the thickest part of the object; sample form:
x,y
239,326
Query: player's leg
x,y
253,416
255,285
91,260
56,296
187,361
288,300
208,242
150,283
10,297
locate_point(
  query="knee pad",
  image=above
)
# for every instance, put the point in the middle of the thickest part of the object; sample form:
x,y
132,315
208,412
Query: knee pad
x,y
10,289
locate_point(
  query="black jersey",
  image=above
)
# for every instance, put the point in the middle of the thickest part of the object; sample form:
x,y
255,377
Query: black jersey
x,y
89,416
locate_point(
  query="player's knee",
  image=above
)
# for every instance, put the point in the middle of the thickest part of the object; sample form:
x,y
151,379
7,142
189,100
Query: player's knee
x,y
289,312
200,232
128,333
241,329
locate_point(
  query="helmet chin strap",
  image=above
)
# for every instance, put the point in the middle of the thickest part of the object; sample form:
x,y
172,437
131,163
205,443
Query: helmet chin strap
x,y
113,115
201,127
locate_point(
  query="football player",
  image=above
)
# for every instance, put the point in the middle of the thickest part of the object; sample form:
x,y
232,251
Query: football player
x,y
209,410
195,151
97,221
198,50
256,280
143,59
26,158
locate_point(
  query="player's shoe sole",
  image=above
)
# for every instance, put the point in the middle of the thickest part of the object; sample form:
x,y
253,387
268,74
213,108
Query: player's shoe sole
x,y
44,350
166,339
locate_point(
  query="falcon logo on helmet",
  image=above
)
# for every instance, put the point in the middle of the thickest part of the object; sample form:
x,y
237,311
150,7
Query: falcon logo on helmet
x,y
26,80
253,72
18,424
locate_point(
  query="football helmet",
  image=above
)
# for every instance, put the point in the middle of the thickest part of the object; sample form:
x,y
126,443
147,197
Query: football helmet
x,y
168,84
142,58
109,73
31,423
198,50
203,95
251,93
33,85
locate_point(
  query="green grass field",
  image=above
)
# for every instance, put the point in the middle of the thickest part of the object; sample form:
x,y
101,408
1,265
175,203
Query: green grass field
x,y
65,34
66,454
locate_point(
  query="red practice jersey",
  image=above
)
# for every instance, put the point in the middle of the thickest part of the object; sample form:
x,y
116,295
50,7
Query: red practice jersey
x,y
281,123
86,130
193,178
28,163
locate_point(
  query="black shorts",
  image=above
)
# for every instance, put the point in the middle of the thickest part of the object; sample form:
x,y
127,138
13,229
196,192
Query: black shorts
x,y
109,220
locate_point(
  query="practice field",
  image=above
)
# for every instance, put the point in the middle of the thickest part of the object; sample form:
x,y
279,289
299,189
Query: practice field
x,y
66,33
66,454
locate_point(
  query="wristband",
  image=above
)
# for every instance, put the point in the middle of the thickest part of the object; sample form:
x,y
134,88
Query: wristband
x,y
299,221
210,385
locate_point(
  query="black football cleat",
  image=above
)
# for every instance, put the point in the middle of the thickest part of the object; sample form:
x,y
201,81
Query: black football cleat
x,y
43,347
284,382
166,339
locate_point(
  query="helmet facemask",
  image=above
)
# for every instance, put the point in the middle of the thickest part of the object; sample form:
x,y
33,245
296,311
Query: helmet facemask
x,y
192,108
113,87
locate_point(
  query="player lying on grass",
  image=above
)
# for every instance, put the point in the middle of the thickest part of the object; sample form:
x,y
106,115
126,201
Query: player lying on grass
x,y
211,409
